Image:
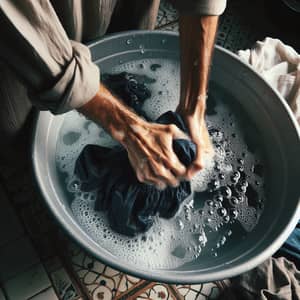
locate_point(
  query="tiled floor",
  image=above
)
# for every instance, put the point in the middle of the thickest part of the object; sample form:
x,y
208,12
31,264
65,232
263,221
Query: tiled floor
x,y
38,261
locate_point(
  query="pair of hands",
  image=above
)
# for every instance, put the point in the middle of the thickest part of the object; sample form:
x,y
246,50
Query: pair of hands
x,y
151,154
150,145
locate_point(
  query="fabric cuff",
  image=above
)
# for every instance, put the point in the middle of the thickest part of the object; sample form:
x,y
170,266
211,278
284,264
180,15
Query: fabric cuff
x,y
78,84
201,7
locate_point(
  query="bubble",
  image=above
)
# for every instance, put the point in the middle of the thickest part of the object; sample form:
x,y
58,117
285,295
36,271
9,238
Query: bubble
x,y
234,201
234,213
222,212
226,192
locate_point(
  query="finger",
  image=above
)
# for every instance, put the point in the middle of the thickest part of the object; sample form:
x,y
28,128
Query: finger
x,y
177,133
144,173
149,177
198,163
172,163
164,174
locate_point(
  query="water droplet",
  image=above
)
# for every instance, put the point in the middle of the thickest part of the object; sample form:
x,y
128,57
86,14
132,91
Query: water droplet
x,y
219,198
223,240
221,176
234,213
222,212
235,177
226,219
226,192
209,202
207,220
128,42
214,184
216,204
180,224
234,201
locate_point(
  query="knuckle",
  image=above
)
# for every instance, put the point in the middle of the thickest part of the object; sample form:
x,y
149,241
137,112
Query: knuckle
x,y
173,128
161,185
198,165
140,177
174,183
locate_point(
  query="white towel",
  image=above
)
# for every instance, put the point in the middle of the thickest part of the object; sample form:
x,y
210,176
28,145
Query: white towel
x,y
279,64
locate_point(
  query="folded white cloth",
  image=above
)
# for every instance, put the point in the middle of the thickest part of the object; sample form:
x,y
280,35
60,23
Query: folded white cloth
x,y
279,64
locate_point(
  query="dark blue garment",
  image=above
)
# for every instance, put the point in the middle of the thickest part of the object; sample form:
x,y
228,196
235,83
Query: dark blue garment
x,y
291,247
131,205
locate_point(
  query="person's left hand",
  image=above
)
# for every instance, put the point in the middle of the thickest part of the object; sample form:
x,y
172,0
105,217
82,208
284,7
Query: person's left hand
x,y
199,135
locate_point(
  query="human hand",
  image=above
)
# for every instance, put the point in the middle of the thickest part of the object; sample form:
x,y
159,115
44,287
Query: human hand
x,y
150,151
200,136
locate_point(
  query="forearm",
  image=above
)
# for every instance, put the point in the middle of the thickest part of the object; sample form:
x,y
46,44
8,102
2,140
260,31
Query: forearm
x,y
109,112
197,37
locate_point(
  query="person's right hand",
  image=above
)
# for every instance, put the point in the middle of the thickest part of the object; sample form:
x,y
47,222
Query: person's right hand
x,y
151,154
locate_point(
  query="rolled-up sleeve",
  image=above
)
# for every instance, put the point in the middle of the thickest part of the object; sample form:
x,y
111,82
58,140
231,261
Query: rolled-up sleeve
x,y
58,73
201,7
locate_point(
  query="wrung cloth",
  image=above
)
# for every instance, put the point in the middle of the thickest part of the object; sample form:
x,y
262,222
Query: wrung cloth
x,y
276,278
130,204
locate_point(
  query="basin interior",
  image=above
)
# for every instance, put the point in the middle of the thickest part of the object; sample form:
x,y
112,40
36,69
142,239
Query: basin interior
x,y
273,131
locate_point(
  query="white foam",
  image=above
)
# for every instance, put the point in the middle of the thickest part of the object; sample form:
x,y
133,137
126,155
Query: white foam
x,y
169,243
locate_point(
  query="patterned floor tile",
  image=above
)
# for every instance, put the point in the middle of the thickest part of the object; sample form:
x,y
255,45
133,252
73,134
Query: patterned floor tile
x,y
97,277
166,14
159,291
199,291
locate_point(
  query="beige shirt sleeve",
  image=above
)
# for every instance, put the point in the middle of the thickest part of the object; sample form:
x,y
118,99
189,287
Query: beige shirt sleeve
x,y
201,7
58,72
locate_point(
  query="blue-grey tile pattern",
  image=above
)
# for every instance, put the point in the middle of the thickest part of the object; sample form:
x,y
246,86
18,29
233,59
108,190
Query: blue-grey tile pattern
x,y
166,14
10,226
2,297
27,284
16,257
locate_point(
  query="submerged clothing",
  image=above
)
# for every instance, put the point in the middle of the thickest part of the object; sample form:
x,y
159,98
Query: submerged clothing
x,y
131,205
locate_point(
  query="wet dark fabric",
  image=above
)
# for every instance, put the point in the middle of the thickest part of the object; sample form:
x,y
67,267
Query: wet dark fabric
x,y
131,205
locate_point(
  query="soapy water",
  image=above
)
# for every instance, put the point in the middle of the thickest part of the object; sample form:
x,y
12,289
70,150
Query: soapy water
x,y
228,193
